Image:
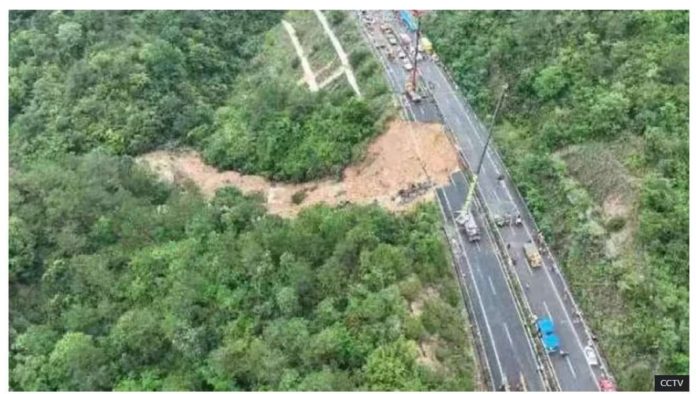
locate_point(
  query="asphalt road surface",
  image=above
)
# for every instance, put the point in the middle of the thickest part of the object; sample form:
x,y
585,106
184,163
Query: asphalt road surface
x,y
508,349
545,288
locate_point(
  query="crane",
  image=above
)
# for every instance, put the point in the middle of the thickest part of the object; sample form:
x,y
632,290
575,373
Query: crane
x,y
474,181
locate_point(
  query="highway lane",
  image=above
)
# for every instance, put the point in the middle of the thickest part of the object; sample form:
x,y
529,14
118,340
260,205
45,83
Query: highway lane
x,y
494,309
506,342
546,293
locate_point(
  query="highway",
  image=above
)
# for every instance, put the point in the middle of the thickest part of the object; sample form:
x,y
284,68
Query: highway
x,y
508,350
546,292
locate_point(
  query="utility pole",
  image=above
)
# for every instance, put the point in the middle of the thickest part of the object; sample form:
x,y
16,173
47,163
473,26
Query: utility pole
x,y
472,188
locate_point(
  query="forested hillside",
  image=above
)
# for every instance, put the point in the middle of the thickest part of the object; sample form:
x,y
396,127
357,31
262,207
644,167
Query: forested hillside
x,y
121,282
274,126
595,133
126,81
225,83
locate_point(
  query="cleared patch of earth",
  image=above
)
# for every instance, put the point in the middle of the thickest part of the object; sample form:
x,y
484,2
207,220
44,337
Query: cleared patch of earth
x,y
426,353
395,161
417,304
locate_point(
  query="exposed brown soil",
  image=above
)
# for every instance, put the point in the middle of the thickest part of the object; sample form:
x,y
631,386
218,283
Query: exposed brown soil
x,y
417,304
406,154
426,353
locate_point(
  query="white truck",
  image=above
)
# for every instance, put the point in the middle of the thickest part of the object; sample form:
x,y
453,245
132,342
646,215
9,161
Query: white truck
x,y
466,220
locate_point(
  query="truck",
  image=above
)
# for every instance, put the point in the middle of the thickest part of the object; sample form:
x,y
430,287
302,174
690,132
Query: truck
x,y
466,220
411,93
408,20
545,330
531,253
427,45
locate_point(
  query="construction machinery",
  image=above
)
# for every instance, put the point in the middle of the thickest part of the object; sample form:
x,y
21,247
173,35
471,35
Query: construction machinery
x,y
502,220
411,92
474,180
408,20
427,45
531,253
466,220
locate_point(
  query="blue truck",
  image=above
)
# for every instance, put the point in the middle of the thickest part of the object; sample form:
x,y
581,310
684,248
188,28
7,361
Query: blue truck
x,y
545,330
408,20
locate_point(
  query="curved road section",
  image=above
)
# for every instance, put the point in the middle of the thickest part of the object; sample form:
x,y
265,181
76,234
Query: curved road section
x,y
545,291
508,352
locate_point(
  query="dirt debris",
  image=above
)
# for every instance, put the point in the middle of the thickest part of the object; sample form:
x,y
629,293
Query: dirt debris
x,y
398,172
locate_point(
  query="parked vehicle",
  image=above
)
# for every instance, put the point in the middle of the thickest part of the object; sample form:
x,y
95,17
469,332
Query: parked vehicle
x,y
502,220
408,20
545,330
531,253
466,220
606,384
591,355
427,45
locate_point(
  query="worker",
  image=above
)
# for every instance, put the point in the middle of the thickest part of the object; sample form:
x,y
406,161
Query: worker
x,y
526,285
508,246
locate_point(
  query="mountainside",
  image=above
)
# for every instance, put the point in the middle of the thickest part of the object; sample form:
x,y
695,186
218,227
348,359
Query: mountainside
x,y
595,133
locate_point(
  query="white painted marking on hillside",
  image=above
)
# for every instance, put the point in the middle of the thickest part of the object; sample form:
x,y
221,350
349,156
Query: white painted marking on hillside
x,y
332,77
339,50
308,74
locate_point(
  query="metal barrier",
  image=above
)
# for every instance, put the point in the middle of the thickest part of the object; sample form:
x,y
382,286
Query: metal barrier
x,y
480,353
527,213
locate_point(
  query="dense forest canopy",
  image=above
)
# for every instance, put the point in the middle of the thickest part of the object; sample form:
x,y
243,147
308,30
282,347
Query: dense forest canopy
x,y
121,282
125,81
133,81
597,111
273,126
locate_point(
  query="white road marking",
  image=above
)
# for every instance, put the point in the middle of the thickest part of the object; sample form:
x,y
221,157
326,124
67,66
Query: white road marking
x,y
456,263
389,72
490,282
544,268
530,345
507,332
478,295
570,365
548,313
